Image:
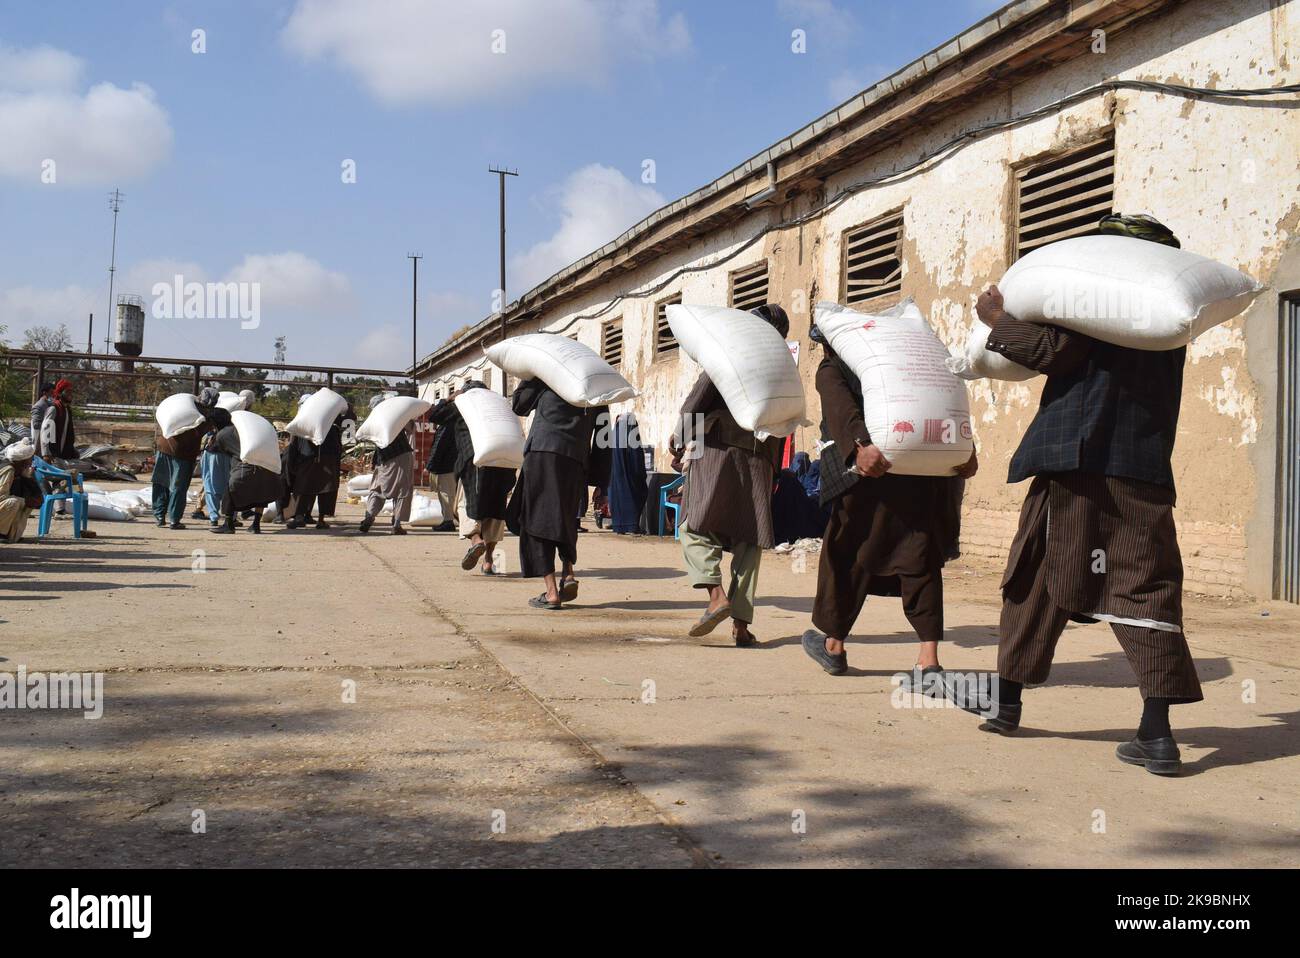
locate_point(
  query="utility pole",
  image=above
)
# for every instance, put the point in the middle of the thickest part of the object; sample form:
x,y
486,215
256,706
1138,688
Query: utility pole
x,y
90,337
502,173
114,204
415,275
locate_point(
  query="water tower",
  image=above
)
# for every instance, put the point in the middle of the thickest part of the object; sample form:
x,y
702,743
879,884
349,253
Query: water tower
x,y
128,330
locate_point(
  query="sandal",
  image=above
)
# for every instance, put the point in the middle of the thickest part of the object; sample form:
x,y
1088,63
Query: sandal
x,y
710,621
541,602
472,555
568,590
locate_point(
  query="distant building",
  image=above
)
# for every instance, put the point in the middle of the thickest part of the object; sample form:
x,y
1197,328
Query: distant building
x,y
807,220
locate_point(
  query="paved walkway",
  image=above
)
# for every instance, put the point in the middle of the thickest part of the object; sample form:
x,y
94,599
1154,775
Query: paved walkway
x,y
486,733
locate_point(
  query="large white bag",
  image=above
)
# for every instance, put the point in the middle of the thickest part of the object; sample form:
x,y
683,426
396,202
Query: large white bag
x,y
360,485
102,509
232,401
425,512
390,417
916,411
258,445
316,414
1118,289
979,362
574,371
748,361
178,414
493,428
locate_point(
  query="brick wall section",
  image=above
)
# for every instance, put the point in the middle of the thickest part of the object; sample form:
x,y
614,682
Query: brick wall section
x,y
1214,554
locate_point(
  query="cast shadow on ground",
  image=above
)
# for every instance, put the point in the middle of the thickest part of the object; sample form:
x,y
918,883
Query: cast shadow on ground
x,y
1229,746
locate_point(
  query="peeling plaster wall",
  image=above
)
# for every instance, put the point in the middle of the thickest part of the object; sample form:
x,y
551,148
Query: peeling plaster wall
x,y
1224,176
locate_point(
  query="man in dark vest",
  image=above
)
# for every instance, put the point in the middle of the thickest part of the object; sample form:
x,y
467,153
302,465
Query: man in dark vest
x,y
1096,540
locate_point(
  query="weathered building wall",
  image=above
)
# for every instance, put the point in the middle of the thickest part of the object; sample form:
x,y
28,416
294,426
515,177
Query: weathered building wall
x,y
1225,176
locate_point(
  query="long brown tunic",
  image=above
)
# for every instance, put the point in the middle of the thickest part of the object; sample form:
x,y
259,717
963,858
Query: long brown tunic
x,y
728,488
886,536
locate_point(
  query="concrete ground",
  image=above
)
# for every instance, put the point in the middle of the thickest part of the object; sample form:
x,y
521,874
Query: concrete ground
x,y
485,733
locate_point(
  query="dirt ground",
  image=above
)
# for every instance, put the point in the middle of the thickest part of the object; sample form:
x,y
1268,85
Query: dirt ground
x,y
484,733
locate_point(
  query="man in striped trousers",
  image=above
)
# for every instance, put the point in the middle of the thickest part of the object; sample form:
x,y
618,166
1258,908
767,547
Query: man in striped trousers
x,y
1096,540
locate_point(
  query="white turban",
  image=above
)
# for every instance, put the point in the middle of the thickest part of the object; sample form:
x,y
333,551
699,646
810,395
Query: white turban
x,y
20,451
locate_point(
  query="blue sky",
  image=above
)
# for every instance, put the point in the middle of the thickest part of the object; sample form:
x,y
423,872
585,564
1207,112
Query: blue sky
x,y
231,160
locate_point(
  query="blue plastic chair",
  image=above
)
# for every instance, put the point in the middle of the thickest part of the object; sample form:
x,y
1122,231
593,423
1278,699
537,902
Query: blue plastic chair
x,y
47,473
665,505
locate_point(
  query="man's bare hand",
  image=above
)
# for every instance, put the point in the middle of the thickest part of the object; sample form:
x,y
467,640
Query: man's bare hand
x,y
971,466
989,306
871,462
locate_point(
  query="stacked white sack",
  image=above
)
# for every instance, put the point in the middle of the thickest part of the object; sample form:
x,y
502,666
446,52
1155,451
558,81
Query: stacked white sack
x,y
574,371
1118,289
493,428
916,411
389,418
748,361
316,414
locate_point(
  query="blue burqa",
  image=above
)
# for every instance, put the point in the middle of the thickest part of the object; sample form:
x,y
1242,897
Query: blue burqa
x,y
627,478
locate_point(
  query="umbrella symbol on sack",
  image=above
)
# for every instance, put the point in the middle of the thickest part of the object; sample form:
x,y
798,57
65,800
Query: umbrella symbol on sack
x,y
903,427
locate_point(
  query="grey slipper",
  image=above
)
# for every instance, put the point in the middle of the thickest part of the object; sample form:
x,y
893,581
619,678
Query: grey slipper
x,y
472,555
540,602
710,621
568,590
814,643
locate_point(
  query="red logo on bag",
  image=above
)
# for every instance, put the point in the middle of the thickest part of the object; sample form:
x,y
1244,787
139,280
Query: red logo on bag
x,y
903,427
869,324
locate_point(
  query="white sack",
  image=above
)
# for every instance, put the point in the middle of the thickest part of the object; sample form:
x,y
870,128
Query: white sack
x,y
92,487
232,401
145,496
916,411
360,485
389,418
425,511
176,414
574,371
316,414
101,507
748,361
127,501
979,362
493,428
258,445
1125,291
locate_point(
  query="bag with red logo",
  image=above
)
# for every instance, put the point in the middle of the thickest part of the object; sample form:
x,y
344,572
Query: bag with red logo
x,y
916,410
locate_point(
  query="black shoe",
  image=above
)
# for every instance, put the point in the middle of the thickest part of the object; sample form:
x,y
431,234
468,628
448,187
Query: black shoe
x,y
322,524
198,514
256,527
398,531
814,643
1003,719
447,526
161,523
177,525
1160,755
222,530
366,523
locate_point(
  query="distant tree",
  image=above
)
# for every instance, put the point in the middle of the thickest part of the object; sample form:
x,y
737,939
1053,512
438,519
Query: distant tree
x,y
48,339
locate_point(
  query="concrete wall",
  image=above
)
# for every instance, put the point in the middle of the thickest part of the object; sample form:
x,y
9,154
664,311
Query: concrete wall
x,y
1225,176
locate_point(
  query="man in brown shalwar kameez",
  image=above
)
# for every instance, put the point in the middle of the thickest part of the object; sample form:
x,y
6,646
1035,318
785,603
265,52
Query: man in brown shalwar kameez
x,y
888,534
1096,540
727,500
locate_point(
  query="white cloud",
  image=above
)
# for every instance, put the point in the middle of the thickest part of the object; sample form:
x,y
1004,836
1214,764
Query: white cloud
x,y
384,347
596,204
23,307
413,51
294,283
106,135
40,68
